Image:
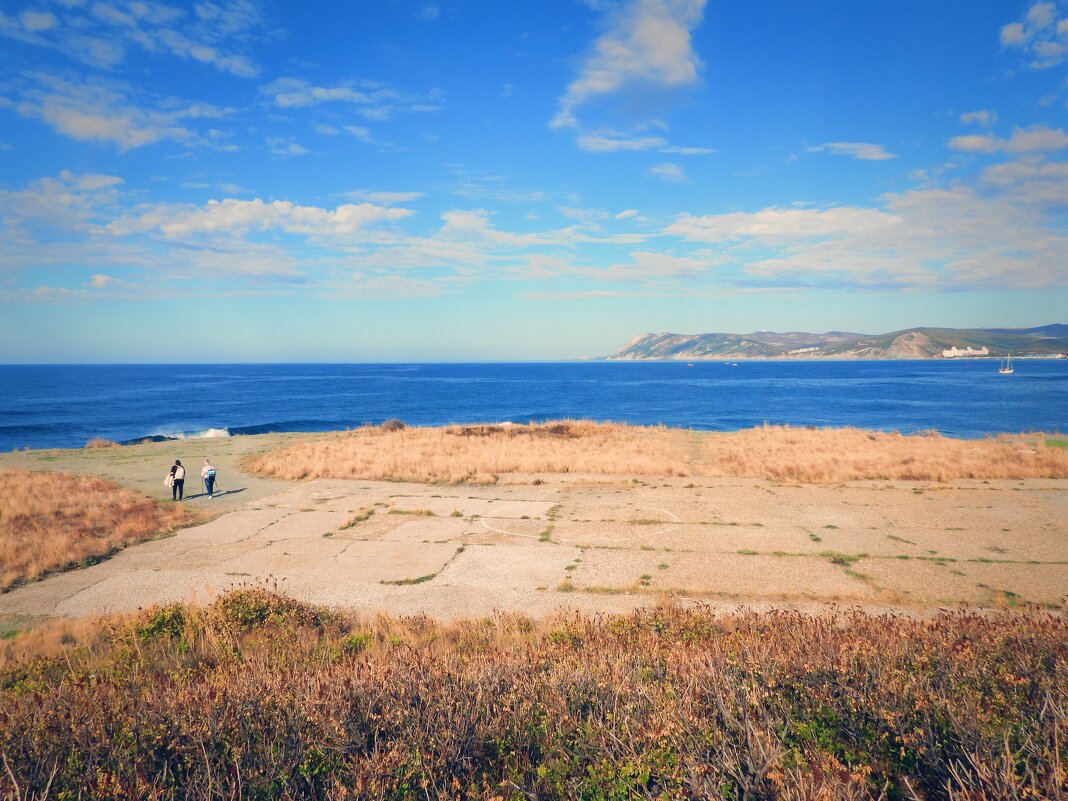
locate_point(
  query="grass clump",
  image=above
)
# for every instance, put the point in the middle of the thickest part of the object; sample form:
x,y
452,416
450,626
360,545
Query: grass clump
x,y
101,442
357,519
55,521
258,696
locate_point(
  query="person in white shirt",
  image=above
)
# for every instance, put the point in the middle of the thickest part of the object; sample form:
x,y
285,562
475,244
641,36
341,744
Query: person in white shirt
x,y
208,474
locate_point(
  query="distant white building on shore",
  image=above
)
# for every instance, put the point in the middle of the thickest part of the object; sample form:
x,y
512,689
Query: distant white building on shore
x,y
958,353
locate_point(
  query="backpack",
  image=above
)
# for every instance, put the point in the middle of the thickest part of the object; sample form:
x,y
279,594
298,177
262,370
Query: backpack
x,y
211,472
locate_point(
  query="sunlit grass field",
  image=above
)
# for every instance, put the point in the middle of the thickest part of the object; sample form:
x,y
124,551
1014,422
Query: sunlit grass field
x,y
481,454
53,521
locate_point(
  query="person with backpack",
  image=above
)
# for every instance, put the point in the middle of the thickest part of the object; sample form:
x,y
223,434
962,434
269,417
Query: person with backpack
x,y
177,480
208,474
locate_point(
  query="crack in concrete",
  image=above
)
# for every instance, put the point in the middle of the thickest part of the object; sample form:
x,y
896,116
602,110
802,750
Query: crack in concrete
x,y
674,518
488,527
74,595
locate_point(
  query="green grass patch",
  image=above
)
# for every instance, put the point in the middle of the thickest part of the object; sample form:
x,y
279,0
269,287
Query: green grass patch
x,y
359,518
896,538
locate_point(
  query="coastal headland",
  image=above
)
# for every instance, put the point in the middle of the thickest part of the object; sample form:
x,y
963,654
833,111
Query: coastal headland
x,y
469,520
1046,342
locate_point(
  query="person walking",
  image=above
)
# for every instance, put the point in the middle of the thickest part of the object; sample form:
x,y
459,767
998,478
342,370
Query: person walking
x,y
177,480
208,474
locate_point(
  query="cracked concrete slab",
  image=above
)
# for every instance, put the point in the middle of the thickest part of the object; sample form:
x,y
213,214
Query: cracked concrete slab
x,y
597,544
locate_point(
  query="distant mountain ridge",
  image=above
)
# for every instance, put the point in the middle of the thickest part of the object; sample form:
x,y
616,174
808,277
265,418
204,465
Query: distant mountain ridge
x,y
912,343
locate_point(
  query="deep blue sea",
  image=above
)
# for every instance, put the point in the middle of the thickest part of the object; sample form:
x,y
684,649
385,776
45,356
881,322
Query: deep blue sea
x,y
65,406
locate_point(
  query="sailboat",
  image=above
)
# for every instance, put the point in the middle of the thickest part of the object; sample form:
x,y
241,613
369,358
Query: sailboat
x,y
1006,365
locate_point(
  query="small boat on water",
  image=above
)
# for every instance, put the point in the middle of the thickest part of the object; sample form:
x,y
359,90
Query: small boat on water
x,y
1006,365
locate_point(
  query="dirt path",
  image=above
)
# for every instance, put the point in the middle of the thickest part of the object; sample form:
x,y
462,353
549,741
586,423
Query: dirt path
x,y
593,543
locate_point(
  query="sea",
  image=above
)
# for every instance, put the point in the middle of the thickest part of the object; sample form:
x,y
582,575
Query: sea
x,y
64,406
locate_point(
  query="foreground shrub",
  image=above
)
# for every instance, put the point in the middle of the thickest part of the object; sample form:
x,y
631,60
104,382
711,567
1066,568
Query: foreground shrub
x,y
55,521
287,701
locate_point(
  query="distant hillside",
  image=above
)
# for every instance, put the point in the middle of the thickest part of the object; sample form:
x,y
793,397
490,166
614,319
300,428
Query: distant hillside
x,y
914,343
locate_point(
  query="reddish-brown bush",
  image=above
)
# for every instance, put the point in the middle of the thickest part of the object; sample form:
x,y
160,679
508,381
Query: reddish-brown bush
x,y
261,697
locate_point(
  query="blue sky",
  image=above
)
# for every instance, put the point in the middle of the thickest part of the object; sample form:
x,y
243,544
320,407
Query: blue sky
x,y
376,181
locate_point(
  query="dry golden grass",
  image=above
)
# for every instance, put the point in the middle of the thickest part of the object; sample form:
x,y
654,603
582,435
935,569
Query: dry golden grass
x,y
100,442
479,454
53,521
845,454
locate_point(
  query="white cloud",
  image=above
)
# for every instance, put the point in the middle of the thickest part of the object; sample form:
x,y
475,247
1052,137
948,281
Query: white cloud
x,y
361,133
983,118
1012,35
626,214
100,33
101,111
614,143
1036,139
1042,36
777,224
680,150
672,173
428,13
231,218
36,21
1030,182
863,151
285,146
100,281
372,100
646,43
931,238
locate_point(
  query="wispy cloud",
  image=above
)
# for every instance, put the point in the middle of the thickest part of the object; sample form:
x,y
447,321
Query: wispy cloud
x,y
933,239
108,112
1042,36
864,151
385,198
983,118
371,100
616,142
1036,139
285,146
231,218
100,33
671,173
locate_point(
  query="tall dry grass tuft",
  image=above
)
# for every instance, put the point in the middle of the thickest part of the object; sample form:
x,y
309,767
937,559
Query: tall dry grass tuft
x,y
844,454
54,521
479,454
261,697
101,442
